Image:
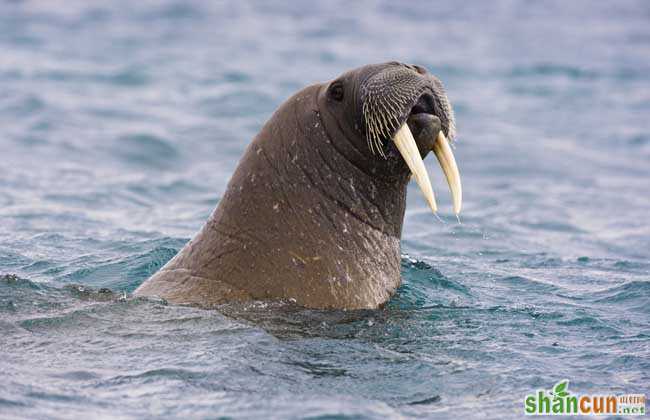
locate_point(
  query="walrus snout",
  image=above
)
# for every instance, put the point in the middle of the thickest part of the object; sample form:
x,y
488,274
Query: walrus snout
x,y
425,128
423,123
398,98
395,91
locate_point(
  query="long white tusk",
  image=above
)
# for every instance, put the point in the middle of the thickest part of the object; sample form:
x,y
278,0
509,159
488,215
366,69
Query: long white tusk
x,y
445,156
409,150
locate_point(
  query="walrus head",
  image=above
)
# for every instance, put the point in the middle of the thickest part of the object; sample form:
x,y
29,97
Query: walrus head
x,y
393,114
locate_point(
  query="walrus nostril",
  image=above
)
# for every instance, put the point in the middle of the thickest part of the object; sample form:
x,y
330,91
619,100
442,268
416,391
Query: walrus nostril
x,y
424,105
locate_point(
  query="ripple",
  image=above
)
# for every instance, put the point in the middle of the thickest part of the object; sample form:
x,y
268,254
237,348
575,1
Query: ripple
x,y
237,103
529,284
122,273
154,375
25,106
129,77
78,375
236,77
420,271
632,265
556,226
430,400
319,369
551,69
14,281
52,396
424,286
146,150
173,11
632,294
11,403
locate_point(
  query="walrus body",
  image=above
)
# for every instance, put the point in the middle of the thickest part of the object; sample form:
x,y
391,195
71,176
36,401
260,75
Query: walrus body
x,y
310,214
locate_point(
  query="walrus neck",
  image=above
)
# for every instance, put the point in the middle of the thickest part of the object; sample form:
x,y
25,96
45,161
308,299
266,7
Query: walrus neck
x,y
348,173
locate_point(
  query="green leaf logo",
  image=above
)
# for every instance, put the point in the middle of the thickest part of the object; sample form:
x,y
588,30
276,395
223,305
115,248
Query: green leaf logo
x,y
560,389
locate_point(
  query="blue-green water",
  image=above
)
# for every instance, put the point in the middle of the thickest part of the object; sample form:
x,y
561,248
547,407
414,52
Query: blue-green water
x,y
121,123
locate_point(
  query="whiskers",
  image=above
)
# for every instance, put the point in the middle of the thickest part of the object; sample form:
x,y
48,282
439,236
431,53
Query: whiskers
x,y
387,100
387,97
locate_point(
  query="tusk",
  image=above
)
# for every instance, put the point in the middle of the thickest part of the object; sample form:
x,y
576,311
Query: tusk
x,y
409,150
445,156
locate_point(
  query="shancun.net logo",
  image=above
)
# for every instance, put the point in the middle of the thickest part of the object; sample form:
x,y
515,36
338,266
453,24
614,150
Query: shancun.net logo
x,y
560,401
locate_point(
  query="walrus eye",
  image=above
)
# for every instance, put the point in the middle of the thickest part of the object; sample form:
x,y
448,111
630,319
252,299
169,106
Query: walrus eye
x,y
336,91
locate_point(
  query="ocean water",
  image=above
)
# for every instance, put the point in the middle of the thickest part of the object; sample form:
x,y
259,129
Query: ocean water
x,y
121,122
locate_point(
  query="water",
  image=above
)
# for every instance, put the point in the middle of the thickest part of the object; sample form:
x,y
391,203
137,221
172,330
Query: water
x,y
120,125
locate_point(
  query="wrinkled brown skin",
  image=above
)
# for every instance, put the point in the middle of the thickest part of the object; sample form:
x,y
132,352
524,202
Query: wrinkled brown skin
x,y
310,214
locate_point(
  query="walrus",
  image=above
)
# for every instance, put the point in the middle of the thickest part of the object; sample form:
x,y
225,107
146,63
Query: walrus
x,y
313,212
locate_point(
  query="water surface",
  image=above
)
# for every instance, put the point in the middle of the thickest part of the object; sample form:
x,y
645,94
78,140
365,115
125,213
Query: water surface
x,y
120,125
